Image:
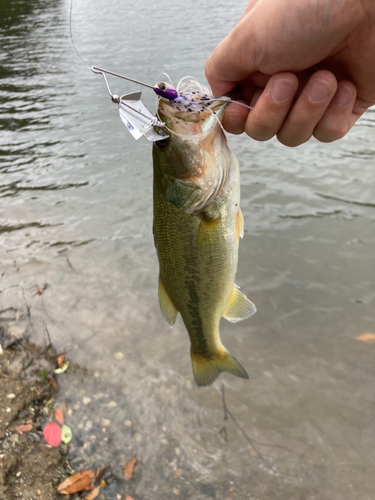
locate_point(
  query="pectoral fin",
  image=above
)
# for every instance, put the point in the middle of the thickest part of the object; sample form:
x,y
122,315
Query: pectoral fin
x,y
239,307
207,234
239,225
167,307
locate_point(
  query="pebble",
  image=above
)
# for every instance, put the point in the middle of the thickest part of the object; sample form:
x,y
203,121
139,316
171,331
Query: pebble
x,y
86,400
119,356
128,423
137,436
176,491
178,473
8,410
208,490
11,396
112,404
177,451
88,425
16,331
105,422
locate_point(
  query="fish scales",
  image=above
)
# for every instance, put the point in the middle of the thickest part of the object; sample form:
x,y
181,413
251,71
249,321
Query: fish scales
x,y
197,224
188,274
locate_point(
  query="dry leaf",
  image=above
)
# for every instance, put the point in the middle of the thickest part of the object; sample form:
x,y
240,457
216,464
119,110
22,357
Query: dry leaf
x,y
367,337
24,428
94,493
59,415
77,482
52,434
128,469
128,497
60,360
99,474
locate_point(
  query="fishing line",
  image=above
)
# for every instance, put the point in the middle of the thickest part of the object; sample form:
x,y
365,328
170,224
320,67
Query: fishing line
x,y
189,94
71,35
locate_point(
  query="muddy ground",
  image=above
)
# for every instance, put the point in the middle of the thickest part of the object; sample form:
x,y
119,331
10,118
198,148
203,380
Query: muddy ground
x,y
29,468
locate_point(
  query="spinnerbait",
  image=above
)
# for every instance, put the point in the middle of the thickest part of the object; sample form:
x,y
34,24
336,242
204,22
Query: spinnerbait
x,y
139,120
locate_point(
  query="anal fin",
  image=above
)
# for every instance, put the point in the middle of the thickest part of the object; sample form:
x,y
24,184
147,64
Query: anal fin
x,y
239,307
167,307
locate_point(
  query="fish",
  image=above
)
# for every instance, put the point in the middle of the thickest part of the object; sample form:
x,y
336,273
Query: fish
x,y
197,227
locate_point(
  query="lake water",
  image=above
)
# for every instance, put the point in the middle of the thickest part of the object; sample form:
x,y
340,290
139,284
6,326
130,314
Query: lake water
x,y
76,213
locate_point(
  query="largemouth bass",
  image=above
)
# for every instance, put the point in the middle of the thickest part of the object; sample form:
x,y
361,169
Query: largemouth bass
x,y
197,226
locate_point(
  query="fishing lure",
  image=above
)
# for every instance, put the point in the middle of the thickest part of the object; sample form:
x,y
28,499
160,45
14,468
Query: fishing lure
x,y
139,120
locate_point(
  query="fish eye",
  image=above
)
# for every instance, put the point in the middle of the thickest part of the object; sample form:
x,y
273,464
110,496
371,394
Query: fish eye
x,y
162,86
162,143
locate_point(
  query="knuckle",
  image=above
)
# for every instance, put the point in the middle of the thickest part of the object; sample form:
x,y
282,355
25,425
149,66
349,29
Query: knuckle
x,y
331,133
233,123
291,140
209,69
260,129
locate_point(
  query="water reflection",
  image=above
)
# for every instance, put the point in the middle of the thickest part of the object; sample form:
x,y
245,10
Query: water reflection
x,y
76,213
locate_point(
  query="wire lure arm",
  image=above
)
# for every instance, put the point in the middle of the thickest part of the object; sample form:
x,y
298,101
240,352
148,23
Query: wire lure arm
x,y
136,117
98,71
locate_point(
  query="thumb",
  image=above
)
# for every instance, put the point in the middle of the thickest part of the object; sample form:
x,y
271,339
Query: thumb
x,y
232,60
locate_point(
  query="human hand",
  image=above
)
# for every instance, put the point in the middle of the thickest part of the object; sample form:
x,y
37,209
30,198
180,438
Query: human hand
x,y
307,68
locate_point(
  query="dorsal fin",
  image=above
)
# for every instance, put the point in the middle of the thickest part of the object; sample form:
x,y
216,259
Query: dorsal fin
x,y
239,307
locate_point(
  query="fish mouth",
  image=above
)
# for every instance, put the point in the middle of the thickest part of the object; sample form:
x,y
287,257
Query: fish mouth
x,y
190,123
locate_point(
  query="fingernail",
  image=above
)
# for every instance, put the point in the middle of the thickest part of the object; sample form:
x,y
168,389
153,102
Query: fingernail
x,y
343,96
282,89
319,90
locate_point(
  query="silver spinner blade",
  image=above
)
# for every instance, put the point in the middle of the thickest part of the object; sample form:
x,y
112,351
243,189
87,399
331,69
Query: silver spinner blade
x,y
137,118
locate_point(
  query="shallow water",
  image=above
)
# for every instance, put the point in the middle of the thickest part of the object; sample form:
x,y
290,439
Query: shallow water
x,y
76,213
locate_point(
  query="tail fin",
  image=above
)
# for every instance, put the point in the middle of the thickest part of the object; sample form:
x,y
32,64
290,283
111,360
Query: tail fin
x,y
206,370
